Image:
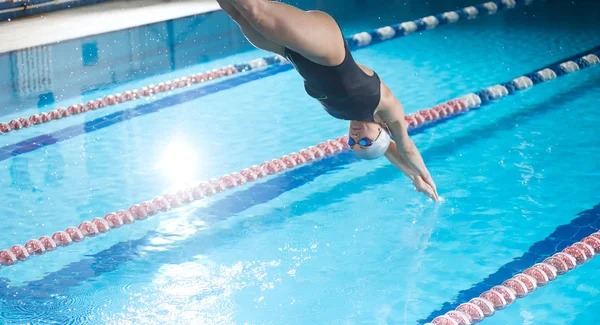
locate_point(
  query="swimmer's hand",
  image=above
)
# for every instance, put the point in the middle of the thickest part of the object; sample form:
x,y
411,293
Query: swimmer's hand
x,y
425,187
422,184
430,182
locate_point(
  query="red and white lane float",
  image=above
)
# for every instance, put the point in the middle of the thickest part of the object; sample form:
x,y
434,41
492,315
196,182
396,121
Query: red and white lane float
x,y
522,284
358,40
118,219
115,99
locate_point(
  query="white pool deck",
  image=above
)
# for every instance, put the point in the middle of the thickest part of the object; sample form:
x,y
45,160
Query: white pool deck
x,y
94,19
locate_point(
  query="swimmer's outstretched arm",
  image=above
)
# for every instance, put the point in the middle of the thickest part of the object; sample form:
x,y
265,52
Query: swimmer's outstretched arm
x,y
391,112
420,185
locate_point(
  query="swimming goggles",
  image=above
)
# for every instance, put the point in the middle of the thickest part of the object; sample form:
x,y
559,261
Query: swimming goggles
x,y
364,142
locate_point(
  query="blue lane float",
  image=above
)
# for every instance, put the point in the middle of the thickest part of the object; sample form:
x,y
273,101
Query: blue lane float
x,y
430,22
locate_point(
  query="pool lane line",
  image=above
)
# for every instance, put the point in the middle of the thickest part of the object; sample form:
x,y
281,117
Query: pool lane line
x,y
586,224
41,141
415,121
356,41
110,259
507,285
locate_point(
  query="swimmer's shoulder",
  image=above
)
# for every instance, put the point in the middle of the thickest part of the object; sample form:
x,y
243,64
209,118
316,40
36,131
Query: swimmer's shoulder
x,y
388,105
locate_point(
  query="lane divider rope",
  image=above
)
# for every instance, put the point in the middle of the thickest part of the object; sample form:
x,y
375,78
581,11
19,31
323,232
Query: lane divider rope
x,y
163,203
522,284
356,41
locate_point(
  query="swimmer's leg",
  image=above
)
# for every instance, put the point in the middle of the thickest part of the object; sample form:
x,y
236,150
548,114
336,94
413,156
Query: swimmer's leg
x,y
313,34
253,36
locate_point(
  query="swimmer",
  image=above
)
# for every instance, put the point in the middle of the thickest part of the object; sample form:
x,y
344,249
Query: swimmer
x,y
314,44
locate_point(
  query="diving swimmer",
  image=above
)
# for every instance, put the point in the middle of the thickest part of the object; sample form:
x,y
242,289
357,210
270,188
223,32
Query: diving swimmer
x,y
313,43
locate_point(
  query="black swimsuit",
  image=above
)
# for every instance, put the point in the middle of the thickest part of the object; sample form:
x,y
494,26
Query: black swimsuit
x,y
345,91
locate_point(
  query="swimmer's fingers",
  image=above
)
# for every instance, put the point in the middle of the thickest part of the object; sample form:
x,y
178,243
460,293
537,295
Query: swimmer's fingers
x,y
430,193
422,187
430,182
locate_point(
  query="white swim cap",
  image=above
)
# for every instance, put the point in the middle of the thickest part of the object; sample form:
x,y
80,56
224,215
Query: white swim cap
x,y
377,149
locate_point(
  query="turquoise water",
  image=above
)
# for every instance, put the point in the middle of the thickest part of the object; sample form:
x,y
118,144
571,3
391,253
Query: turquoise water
x,y
345,242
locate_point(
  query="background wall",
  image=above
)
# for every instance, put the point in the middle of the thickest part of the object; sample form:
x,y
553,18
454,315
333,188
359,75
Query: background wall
x,y
25,8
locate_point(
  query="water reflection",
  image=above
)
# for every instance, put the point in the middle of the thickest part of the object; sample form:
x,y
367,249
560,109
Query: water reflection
x,y
179,162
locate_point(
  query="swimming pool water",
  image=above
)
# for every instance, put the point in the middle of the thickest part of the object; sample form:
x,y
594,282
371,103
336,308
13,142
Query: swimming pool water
x,y
339,242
